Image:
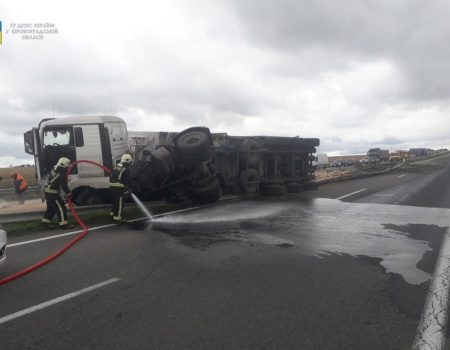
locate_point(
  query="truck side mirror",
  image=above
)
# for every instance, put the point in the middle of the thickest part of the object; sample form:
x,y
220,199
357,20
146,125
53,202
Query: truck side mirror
x,y
28,138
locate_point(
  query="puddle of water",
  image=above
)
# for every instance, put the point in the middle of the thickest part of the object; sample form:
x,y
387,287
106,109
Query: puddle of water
x,y
226,213
318,228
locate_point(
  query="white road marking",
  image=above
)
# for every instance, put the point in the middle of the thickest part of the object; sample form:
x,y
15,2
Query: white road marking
x,y
60,299
96,228
57,236
402,175
351,194
433,322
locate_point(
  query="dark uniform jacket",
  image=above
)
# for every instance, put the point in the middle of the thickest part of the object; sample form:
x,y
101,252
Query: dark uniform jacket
x,y
56,181
119,177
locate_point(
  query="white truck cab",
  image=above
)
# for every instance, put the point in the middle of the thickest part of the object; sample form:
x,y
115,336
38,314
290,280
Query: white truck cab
x,y
101,139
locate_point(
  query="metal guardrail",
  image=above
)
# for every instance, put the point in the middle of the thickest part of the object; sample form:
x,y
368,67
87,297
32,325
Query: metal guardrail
x,y
6,218
431,156
9,194
383,168
12,190
360,173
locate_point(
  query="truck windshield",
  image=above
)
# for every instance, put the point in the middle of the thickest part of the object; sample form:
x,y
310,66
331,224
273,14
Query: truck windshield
x,y
58,136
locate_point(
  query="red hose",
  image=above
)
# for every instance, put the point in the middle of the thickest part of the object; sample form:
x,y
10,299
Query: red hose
x,y
68,245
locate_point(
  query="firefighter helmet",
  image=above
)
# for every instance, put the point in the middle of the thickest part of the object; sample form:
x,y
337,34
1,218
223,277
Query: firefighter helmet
x,y
63,162
126,159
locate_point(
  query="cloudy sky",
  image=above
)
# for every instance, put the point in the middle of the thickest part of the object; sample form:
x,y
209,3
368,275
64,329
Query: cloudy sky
x,y
355,74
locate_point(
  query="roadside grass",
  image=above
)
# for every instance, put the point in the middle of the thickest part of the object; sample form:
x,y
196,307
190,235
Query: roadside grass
x,y
29,173
27,227
91,218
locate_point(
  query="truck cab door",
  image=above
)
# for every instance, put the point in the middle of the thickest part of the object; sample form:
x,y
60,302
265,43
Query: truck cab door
x,y
32,144
88,147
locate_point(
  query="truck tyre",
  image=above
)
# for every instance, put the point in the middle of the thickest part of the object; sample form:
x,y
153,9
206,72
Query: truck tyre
x,y
207,194
294,187
274,190
249,152
193,145
310,186
164,161
95,200
249,181
89,196
80,197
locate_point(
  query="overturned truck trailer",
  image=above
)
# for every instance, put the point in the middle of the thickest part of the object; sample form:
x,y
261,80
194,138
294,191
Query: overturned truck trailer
x,y
266,164
243,164
193,163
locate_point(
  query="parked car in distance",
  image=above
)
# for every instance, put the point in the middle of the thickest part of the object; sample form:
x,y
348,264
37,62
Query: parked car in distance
x,y
337,163
3,242
363,161
350,162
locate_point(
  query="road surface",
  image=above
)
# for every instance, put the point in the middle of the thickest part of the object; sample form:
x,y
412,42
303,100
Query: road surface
x,y
307,271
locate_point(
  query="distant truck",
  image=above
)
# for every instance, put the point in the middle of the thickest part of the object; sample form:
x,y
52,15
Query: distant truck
x,y
377,155
320,161
420,152
193,163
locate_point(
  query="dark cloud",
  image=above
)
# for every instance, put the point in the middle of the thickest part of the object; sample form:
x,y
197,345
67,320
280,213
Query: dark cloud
x,y
410,34
353,73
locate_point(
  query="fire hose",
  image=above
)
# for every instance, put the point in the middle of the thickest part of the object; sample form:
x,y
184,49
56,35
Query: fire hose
x,y
68,245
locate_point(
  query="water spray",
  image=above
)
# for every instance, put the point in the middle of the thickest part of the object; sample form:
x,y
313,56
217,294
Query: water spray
x,y
142,206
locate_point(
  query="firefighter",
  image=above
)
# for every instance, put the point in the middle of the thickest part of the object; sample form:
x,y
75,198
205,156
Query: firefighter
x,y
118,184
55,204
20,186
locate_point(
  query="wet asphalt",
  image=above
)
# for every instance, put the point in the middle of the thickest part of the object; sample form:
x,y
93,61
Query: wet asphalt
x,y
297,272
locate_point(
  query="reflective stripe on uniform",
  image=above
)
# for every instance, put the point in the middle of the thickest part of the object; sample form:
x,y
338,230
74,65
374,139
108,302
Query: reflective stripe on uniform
x,y
49,188
64,222
120,174
63,217
117,182
45,221
117,218
120,206
116,185
54,179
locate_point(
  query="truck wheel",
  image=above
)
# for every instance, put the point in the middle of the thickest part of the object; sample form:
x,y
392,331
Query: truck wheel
x,y
294,187
274,189
89,196
249,181
95,200
310,186
207,194
194,145
248,152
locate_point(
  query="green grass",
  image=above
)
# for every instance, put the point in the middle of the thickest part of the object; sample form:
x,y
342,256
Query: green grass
x,y
29,173
99,217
